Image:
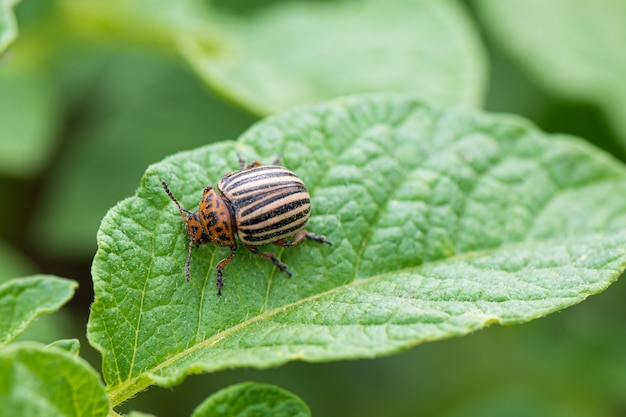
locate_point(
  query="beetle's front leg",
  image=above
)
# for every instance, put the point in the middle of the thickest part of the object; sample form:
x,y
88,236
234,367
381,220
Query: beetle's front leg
x,y
220,267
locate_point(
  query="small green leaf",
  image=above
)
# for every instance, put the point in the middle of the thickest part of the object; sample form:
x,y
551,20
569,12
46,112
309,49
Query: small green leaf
x,y
444,221
8,26
252,399
300,52
36,381
70,345
23,300
573,48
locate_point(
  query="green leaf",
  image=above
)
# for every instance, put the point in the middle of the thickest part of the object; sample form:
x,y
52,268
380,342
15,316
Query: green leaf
x,y
8,26
252,399
444,221
37,381
162,22
69,345
23,300
299,52
573,48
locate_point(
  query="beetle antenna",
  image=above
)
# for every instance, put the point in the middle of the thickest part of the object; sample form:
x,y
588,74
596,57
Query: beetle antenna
x,y
242,162
279,158
180,208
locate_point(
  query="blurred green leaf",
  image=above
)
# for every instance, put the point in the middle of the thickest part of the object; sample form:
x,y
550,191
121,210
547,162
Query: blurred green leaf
x,y
147,21
444,221
8,26
298,52
69,345
142,106
24,299
29,118
573,48
36,381
252,399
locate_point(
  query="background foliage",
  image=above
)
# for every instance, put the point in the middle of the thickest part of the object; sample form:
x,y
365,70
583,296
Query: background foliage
x,y
93,92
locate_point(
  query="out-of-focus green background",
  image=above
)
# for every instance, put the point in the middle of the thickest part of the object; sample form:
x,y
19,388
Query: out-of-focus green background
x,y
91,93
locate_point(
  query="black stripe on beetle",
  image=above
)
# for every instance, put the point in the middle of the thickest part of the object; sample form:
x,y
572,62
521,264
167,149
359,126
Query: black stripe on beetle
x,y
245,199
260,204
273,231
271,237
281,198
263,225
256,215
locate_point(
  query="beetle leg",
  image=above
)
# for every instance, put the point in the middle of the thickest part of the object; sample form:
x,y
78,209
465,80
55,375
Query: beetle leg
x,y
270,257
242,162
303,234
220,267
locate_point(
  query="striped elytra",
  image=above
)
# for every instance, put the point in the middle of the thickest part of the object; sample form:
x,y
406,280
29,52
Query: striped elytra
x,y
260,204
269,203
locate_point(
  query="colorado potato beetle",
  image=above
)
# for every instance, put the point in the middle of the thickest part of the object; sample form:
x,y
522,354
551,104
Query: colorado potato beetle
x,y
260,204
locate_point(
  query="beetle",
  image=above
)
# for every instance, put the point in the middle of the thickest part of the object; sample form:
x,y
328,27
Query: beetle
x,y
260,204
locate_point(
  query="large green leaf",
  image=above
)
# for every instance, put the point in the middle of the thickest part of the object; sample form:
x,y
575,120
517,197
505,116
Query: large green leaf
x,y
38,381
573,48
444,221
252,399
300,52
23,300
297,52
